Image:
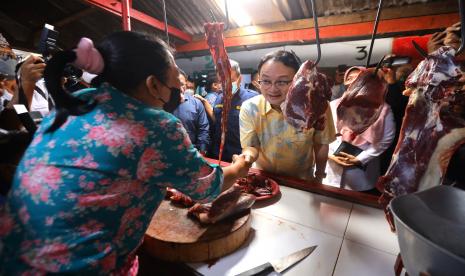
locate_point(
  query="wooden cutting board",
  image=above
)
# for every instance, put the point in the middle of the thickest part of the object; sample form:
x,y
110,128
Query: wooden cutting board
x,y
174,236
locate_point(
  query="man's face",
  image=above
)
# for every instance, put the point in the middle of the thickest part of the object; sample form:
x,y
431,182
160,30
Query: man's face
x,y
190,85
235,79
9,85
339,77
275,79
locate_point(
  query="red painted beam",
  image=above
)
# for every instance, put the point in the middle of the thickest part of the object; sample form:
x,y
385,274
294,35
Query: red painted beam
x,y
334,32
125,14
115,7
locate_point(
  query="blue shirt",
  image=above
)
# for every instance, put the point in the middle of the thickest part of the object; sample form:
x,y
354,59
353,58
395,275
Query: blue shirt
x,y
232,143
192,114
211,97
83,196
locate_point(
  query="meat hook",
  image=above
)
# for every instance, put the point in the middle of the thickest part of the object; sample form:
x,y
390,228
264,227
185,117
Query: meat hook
x,y
166,22
462,26
375,28
419,49
212,15
317,32
227,14
379,65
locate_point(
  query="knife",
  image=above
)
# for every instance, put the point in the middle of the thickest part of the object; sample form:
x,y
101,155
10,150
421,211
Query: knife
x,y
280,264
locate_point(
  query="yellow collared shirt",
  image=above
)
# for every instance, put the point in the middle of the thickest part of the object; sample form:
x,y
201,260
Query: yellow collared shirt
x,y
283,149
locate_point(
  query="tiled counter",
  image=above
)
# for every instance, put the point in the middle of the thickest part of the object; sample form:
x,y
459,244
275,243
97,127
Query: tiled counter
x,y
352,239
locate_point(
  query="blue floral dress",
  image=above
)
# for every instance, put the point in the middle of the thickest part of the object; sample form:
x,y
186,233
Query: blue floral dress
x,y
84,195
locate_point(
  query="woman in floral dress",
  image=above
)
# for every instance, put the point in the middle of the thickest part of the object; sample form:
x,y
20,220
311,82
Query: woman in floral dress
x,y
98,167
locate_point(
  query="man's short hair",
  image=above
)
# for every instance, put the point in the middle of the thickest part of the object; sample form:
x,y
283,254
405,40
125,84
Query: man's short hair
x,y
235,66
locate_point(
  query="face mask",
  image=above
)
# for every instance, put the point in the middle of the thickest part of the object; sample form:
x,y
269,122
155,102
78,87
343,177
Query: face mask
x,y
174,101
189,92
234,88
6,95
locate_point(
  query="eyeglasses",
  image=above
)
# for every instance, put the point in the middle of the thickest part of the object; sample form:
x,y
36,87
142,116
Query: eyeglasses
x,y
280,84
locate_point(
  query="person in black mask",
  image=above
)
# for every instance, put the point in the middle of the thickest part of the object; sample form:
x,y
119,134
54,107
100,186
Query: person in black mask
x,y
99,165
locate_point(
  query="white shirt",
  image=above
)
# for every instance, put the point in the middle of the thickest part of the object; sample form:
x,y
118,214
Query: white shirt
x,y
365,179
39,102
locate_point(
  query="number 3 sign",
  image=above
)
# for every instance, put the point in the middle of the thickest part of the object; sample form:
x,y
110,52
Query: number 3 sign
x,y
362,52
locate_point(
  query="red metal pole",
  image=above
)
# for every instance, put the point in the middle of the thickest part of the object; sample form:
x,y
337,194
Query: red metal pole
x,y
115,8
125,15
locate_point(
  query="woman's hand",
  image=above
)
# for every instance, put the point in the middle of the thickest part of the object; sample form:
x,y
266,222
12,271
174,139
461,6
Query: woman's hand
x,y
345,160
202,99
243,164
32,69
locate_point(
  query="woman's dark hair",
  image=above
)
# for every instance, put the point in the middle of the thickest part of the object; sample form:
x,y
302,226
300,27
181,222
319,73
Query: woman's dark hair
x,y
287,58
129,59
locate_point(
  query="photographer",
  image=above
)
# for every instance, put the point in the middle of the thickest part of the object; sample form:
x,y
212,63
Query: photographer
x,y
99,166
32,91
13,142
8,62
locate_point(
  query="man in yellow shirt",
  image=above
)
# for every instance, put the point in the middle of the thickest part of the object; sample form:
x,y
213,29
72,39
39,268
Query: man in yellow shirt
x,y
282,148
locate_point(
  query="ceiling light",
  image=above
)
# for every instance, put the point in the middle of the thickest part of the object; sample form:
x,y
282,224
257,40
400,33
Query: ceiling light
x,y
237,10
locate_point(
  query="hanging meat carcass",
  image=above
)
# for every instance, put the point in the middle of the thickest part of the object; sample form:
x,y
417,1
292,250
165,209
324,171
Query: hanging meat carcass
x,y
214,36
362,102
432,129
307,99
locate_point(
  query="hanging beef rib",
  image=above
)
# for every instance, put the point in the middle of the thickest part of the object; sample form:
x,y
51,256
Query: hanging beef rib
x,y
432,129
307,99
214,37
362,102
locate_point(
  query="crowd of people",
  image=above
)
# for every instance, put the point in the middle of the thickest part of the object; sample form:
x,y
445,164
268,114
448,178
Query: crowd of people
x,y
79,193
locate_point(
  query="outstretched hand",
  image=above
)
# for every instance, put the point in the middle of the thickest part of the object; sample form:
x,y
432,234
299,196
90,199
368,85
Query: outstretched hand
x,y
242,165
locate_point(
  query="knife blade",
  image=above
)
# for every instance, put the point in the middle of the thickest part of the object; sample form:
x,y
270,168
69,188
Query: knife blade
x,y
280,264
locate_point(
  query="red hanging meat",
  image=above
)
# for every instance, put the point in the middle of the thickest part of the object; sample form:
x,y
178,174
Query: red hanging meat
x,y
307,99
432,129
214,36
362,102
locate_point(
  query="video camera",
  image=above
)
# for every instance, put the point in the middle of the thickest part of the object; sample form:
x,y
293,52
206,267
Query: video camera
x,y
200,81
48,42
